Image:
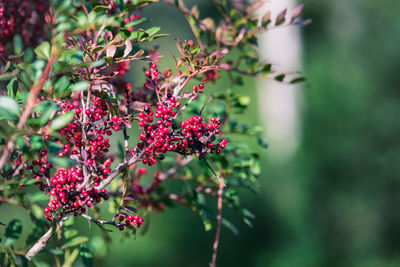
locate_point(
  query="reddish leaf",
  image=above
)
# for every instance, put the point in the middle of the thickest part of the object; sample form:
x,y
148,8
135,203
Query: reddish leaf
x,y
195,12
266,19
297,12
138,54
107,36
130,209
281,17
131,197
127,124
111,51
128,48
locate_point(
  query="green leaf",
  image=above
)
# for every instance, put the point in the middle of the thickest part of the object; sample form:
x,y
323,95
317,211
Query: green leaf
x,y
61,86
43,51
248,213
8,75
9,108
87,257
153,30
62,121
12,87
38,197
135,22
75,241
40,263
28,55
230,226
142,35
62,161
70,233
298,80
18,46
280,77
99,9
13,232
80,86
46,109
244,100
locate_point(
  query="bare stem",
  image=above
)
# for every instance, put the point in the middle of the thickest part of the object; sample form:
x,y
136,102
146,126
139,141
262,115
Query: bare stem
x,y
174,169
30,104
219,222
44,240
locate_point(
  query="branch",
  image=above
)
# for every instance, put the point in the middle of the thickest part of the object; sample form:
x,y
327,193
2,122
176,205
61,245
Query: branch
x,y
30,104
174,169
219,222
44,240
125,163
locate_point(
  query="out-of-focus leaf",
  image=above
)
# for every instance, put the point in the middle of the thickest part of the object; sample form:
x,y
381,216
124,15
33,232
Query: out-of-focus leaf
x,y
130,209
244,100
13,232
62,161
248,213
62,121
38,197
297,12
128,48
9,108
87,257
80,86
46,109
40,263
266,19
18,46
43,51
298,80
280,77
281,17
230,226
110,52
70,233
131,197
12,88
74,242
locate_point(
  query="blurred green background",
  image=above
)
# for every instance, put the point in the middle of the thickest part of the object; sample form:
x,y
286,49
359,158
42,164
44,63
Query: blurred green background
x,y
334,203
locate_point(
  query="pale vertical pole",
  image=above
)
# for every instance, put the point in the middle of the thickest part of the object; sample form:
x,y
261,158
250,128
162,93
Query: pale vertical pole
x,y
279,103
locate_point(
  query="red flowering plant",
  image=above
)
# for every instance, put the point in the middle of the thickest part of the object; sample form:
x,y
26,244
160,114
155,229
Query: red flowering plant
x,y
75,132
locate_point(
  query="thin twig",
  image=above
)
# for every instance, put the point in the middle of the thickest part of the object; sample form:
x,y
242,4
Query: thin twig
x,y
42,242
30,104
174,169
219,223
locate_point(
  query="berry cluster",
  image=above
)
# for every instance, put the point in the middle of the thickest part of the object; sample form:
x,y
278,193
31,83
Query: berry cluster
x,y
66,198
86,142
160,133
123,67
40,168
130,19
23,17
211,76
130,221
